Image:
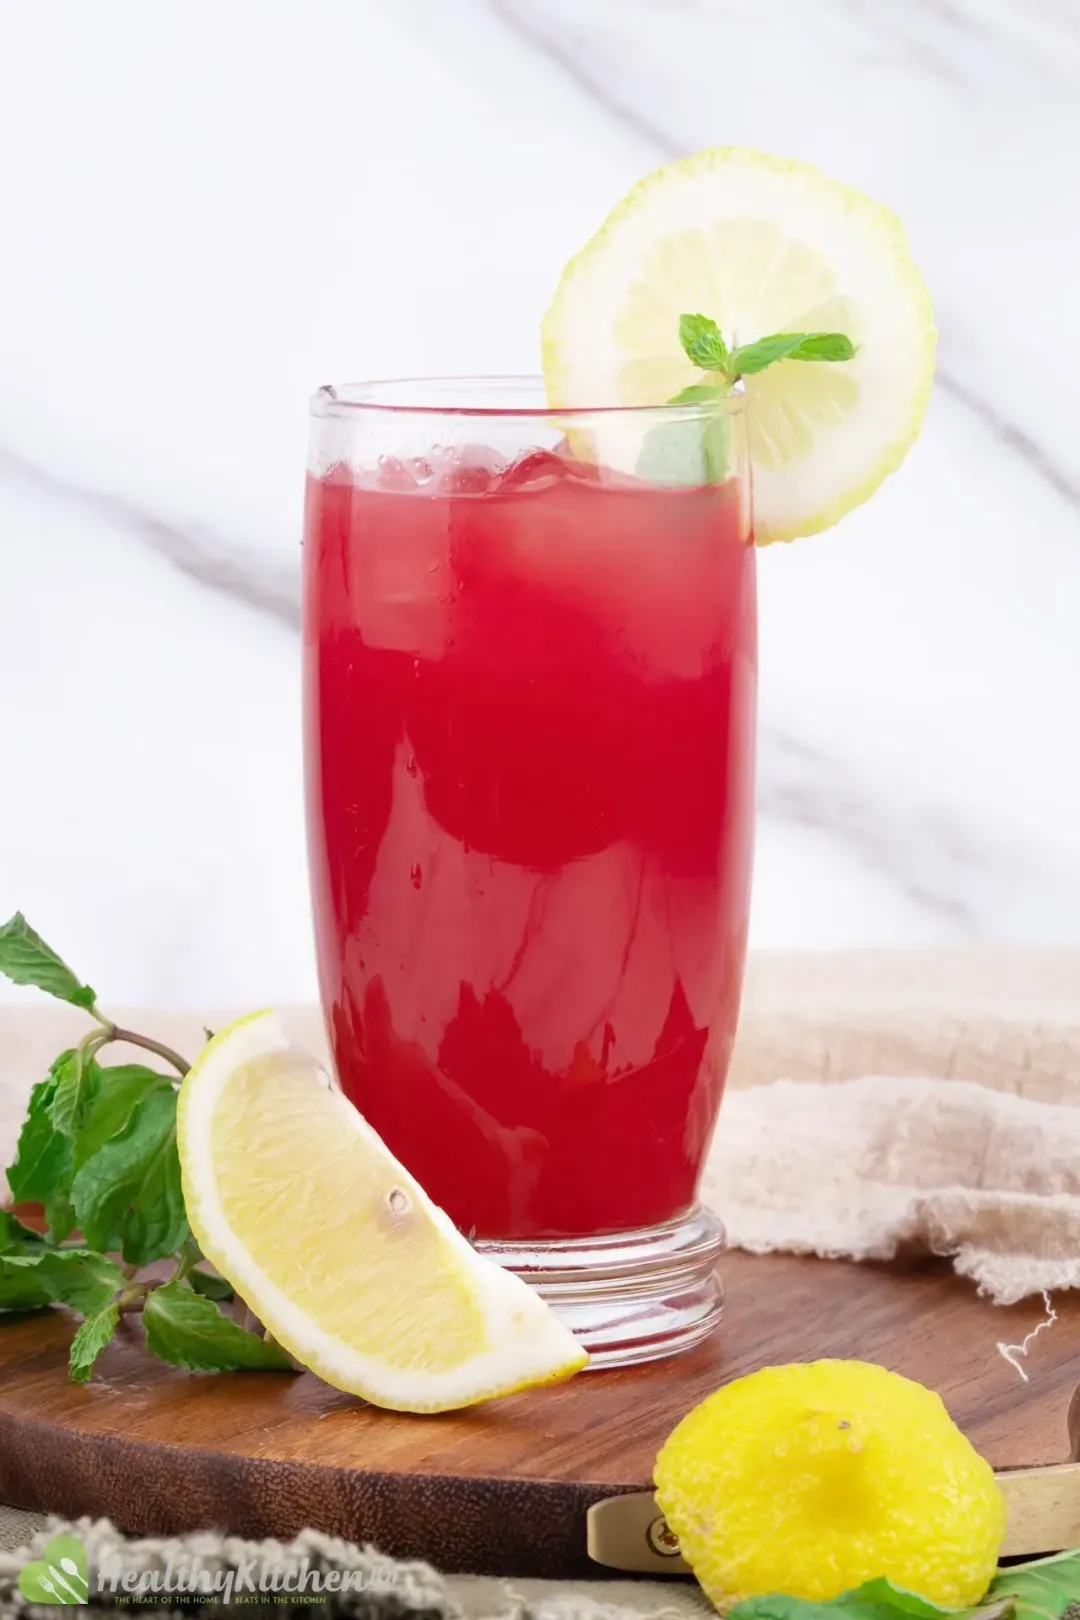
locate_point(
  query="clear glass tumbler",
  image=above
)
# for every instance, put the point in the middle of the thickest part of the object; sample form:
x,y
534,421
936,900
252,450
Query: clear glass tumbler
x,y
530,671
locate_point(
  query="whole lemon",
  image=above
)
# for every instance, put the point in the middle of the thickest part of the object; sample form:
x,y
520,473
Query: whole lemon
x,y
812,1478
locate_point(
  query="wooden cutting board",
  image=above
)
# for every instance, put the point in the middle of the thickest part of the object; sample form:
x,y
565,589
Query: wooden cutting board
x,y
505,1488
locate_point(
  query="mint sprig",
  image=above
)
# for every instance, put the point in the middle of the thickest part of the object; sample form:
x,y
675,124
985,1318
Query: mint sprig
x,y
696,451
704,346
97,1150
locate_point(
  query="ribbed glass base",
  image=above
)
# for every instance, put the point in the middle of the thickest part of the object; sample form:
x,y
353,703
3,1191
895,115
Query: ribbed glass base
x,y
628,1296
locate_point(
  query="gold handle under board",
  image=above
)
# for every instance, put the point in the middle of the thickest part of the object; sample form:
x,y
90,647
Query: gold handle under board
x,y
1042,1516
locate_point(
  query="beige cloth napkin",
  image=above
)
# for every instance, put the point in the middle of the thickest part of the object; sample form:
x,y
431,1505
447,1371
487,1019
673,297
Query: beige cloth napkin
x,y
879,1101
924,1102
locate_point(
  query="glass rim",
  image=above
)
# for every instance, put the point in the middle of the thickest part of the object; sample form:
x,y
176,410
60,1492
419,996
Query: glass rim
x,y
344,400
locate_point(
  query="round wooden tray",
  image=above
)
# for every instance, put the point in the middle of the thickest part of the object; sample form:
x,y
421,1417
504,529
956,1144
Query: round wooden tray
x,y
505,1488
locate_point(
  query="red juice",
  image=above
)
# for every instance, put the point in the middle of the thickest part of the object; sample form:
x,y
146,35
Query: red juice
x,y
529,733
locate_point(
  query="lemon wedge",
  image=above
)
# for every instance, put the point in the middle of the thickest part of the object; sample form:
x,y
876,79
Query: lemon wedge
x,y
343,1257
760,245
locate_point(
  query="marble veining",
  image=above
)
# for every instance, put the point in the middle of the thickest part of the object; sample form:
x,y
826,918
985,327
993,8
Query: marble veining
x,y
356,187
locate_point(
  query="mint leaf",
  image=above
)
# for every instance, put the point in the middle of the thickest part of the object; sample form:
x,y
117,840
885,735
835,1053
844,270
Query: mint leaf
x,y
128,1194
189,1331
874,1600
59,1217
109,1110
26,959
884,1595
766,351
87,1282
825,346
90,1341
42,1166
78,1080
698,394
15,1238
701,339
1044,1590
211,1284
21,1288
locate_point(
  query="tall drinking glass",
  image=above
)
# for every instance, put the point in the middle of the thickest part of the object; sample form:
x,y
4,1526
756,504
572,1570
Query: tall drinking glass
x,y
530,668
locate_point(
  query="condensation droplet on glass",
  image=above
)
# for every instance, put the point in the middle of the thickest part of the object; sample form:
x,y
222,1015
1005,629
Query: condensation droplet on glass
x,y
416,874
421,469
398,1201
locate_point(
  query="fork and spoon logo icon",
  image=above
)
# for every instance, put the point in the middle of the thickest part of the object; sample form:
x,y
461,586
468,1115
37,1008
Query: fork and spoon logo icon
x,y
59,1575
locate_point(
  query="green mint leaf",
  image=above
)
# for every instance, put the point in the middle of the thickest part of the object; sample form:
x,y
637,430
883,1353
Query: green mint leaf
x,y
17,1239
701,339
753,357
90,1341
21,1288
87,1282
699,394
26,959
59,1217
109,1110
1047,1589
189,1331
128,1194
874,1600
825,346
777,1606
78,1080
210,1283
41,1276
42,1167
882,1596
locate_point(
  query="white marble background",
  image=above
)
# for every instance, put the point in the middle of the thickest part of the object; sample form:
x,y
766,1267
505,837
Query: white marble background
x,y
208,209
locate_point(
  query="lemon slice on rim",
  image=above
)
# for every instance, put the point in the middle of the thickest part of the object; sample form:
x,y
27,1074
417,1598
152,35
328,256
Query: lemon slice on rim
x,y
760,245
339,1252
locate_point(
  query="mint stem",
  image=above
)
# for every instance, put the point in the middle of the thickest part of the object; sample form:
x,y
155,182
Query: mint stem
x,y
185,1262
133,1299
148,1044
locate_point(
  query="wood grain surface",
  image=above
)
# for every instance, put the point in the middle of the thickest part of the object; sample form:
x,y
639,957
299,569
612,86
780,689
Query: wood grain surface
x,y
501,1488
